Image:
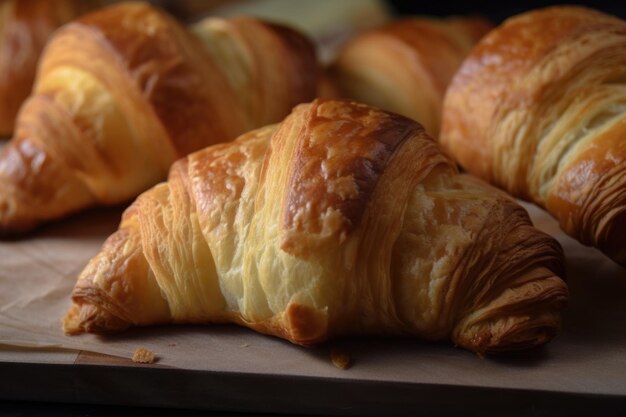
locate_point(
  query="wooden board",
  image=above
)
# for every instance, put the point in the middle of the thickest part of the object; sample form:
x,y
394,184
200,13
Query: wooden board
x,y
98,379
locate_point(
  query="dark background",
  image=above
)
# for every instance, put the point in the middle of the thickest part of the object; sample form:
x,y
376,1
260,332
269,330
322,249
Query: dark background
x,y
497,11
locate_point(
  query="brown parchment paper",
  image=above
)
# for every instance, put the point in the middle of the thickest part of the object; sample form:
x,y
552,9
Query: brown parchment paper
x,y
38,272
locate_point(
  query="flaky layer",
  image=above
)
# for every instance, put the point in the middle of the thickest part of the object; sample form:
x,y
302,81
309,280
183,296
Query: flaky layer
x,y
539,109
124,92
340,220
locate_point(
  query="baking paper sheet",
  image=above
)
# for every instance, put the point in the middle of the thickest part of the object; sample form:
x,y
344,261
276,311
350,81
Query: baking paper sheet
x,y
37,274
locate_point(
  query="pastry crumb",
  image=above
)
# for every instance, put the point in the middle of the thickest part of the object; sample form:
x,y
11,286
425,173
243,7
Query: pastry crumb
x,y
245,345
340,359
143,355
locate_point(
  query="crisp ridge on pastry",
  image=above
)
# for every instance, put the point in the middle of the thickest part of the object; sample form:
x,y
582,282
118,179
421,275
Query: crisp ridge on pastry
x,y
125,91
340,220
25,26
405,66
539,109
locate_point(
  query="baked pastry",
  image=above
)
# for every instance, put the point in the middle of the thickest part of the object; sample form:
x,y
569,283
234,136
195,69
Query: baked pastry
x,y
538,109
25,26
405,66
343,219
125,91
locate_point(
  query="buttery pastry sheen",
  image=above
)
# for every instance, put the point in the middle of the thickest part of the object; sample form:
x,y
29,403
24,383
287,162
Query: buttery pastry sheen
x,y
125,91
343,219
25,26
405,66
539,109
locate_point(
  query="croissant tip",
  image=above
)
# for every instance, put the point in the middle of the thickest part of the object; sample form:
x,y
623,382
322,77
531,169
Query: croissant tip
x,y
87,318
71,324
13,222
490,344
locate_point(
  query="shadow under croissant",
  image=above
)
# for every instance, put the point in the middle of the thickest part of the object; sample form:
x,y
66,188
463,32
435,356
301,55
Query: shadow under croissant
x,y
380,351
200,337
596,311
373,351
92,223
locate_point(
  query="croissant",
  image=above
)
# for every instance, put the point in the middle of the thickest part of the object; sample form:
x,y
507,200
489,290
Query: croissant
x,y
124,92
538,109
25,26
405,66
340,220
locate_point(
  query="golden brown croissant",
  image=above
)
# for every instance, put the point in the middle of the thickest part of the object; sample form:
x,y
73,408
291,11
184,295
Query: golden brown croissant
x,y
125,91
405,66
341,220
25,26
538,108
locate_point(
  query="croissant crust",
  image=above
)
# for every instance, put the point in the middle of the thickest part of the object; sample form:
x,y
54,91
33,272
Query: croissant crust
x,y
405,66
25,27
538,109
124,92
340,220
